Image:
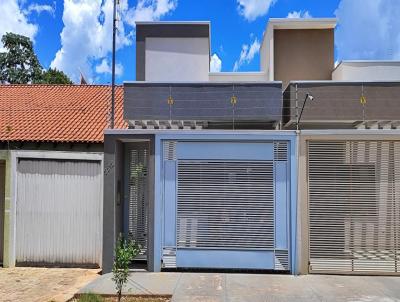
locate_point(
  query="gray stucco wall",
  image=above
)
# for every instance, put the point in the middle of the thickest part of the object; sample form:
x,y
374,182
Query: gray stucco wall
x,y
177,59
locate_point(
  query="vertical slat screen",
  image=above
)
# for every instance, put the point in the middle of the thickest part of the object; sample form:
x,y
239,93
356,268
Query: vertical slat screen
x,y
138,208
354,206
170,150
280,151
225,204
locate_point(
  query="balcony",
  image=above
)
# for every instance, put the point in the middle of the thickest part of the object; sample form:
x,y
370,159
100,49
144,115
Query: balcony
x,y
254,105
367,105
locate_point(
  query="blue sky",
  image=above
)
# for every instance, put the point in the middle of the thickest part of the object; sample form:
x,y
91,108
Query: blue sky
x,y
75,35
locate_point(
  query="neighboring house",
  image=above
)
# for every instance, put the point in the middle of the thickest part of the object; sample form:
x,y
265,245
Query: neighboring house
x,y
51,172
216,170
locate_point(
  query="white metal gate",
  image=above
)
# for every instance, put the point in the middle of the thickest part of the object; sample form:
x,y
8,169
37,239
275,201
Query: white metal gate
x,y
137,203
354,206
58,212
226,204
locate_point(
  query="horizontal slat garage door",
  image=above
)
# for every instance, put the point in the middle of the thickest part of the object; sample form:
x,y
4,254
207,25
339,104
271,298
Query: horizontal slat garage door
x,y
354,206
58,211
226,205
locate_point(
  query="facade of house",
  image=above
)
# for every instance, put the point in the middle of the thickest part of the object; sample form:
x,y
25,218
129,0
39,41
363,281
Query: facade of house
x,y
51,173
292,168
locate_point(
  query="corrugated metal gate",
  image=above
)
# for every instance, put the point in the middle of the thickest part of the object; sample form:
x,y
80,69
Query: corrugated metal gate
x,y
226,205
58,212
354,206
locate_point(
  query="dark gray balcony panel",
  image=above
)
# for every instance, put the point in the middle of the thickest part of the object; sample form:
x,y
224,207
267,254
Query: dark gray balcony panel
x,y
203,101
339,103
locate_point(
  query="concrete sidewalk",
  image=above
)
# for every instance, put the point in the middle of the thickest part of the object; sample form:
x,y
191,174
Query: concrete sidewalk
x,y
254,287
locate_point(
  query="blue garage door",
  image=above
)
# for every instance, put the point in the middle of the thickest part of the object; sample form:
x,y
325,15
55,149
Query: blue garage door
x,y
226,205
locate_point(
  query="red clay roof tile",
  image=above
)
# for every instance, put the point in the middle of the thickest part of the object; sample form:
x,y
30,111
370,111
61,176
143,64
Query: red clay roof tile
x,y
57,113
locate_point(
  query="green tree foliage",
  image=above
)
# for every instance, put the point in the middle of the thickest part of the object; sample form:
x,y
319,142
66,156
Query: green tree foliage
x,y
125,252
54,76
20,65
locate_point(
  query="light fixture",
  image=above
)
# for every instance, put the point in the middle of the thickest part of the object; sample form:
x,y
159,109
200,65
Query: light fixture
x,y
308,97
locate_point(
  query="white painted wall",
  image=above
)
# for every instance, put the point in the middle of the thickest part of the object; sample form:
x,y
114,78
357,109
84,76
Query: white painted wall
x,y
177,59
367,71
267,54
237,77
2,206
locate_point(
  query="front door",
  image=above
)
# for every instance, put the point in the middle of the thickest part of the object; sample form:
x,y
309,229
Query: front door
x,y
136,192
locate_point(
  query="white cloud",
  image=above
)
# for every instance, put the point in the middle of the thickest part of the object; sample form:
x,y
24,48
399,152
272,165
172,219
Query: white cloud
x,y
14,19
252,9
150,10
40,8
215,63
368,29
86,38
247,54
299,14
105,67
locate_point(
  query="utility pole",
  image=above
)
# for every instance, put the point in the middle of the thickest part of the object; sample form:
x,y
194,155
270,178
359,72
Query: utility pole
x,y
113,66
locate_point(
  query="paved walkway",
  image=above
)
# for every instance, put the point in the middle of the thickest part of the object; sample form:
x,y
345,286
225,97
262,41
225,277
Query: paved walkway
x,y
42,284
204,287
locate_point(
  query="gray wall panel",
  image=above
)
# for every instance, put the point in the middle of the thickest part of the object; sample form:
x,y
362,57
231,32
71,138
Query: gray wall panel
x,y
340,101
202,101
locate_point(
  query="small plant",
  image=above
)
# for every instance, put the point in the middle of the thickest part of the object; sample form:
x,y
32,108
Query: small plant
x,y
90,298
125,252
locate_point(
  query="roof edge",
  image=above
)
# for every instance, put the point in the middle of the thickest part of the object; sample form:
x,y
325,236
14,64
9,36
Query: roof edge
x,y
298,23
343,82
211,83
173,22
302,23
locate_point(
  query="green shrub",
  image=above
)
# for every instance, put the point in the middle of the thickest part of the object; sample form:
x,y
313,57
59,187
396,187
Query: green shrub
x,y
90,298
125,252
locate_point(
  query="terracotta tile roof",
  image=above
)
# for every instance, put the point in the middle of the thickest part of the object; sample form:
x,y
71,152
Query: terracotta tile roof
x,y
57,113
